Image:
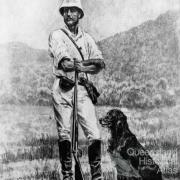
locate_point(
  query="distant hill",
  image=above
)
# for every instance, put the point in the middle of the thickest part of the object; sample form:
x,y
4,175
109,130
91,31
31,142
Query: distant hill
x,y
149,53
29,77
22,53
146,52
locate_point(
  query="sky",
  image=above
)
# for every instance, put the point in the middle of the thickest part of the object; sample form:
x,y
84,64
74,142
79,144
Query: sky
x,y
31,21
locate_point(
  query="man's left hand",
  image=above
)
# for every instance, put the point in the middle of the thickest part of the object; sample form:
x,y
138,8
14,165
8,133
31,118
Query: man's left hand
x,y
82,66
79,66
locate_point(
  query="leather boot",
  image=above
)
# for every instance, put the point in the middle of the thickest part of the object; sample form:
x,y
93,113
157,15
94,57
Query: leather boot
x,y
94,155
65,159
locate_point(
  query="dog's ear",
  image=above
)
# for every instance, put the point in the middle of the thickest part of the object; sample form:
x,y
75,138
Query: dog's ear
x,y
119,123
122,120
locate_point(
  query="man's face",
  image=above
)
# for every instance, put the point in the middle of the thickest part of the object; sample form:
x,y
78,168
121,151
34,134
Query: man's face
x,y
71,16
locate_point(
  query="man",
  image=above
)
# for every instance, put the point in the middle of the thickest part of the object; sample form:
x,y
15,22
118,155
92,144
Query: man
x,y
66,59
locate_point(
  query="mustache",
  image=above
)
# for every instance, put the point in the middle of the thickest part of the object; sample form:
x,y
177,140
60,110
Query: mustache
x,y
69,18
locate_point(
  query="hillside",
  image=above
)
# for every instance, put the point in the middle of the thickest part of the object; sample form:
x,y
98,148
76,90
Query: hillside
x,y
142,64
149,51
29,73
21,53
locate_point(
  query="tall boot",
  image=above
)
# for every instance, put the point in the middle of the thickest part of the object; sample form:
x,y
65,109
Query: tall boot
x,y
65,159
94,155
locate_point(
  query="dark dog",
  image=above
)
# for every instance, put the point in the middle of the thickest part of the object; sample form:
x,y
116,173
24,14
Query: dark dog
x,y
124,142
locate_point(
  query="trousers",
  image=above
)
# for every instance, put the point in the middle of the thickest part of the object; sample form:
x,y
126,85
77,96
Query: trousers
x,y
63,112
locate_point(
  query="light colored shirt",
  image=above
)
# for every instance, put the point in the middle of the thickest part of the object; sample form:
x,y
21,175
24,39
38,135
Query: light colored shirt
x,y
60,46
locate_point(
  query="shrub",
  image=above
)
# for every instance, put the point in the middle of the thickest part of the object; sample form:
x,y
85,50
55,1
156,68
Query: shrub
x,y
162,84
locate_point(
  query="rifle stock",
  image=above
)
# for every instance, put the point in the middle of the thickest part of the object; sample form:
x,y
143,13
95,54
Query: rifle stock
x,y
78,169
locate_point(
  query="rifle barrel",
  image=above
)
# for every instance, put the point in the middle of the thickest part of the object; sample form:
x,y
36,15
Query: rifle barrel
x,y
78,168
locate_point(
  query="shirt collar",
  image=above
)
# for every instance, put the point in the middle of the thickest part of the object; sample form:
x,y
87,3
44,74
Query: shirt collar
x,y
75,37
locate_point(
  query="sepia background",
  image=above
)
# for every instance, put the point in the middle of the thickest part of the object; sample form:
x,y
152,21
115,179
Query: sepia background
x,y
140,42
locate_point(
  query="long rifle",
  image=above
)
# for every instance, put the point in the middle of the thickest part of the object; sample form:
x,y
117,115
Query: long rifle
x,y
78,169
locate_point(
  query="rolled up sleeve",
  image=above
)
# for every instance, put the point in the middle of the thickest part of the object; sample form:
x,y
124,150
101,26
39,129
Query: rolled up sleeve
x,y
57,48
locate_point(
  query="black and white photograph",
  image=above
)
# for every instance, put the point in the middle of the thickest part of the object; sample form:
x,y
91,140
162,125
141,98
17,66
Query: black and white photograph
x,y
90,90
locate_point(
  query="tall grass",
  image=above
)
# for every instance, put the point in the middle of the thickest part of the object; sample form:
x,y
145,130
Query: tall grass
x,y
36,156
45,147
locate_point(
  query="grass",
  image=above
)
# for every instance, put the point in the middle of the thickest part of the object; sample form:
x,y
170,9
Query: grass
x,y
29,150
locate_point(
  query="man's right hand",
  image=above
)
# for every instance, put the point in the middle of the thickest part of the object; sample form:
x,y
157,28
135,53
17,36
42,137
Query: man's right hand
x,y
91,67
67,65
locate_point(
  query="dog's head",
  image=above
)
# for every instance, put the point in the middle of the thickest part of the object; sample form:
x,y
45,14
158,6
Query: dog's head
x,y
114,119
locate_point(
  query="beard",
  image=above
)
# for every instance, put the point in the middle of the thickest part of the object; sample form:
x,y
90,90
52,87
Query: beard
x,y
70,22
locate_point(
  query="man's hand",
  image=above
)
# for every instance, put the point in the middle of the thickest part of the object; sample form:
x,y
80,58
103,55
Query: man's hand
x,y
67,65
78,66
88,66
71,65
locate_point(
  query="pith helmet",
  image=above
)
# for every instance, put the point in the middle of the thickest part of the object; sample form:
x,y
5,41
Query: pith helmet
x,y
71,3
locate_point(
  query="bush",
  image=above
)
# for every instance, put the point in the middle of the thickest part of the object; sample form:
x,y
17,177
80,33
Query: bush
x,y
162,84
8,98
135,98
129,95
168,100
43,102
